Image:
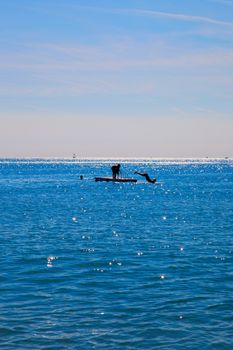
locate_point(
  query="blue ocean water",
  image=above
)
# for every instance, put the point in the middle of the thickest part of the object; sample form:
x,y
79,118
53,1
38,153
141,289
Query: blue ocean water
x,y
89,265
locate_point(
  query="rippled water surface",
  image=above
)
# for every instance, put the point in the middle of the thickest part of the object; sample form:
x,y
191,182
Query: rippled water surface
x,y
89,265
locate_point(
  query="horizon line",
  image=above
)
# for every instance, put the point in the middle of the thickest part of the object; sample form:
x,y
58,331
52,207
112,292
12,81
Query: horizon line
x,y
71,158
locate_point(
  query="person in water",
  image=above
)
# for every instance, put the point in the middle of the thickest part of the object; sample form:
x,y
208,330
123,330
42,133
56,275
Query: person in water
x,y
116,171
148,179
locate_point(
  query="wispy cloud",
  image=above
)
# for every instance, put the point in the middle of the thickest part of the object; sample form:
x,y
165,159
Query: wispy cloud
x,y
161,14
77,9
109,57
178,17
134,68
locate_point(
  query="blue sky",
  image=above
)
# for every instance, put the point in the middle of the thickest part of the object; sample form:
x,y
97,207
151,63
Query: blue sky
x,y
116,78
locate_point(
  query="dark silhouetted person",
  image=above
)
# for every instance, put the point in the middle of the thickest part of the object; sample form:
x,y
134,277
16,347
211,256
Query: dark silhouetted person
x,y
148,179
116,171
81,177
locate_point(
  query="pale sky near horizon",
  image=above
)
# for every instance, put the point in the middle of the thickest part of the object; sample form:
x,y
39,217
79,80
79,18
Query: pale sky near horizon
x,y
126,78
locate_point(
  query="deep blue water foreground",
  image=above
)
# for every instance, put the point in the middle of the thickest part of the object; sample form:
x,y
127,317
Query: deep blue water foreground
x,y
86,265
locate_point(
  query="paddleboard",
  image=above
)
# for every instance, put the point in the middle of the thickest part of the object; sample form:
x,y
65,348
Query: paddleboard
x,y
110,179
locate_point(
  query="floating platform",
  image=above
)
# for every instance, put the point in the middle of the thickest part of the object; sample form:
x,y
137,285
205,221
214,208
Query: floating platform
x,y
111,179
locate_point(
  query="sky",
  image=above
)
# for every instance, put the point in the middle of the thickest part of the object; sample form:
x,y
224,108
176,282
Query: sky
x,y
125,78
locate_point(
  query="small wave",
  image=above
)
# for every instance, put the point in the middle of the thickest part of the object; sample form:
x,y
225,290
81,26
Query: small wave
x,y
97,160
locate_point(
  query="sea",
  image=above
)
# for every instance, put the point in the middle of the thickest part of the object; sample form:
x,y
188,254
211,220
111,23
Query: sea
x,y
96,265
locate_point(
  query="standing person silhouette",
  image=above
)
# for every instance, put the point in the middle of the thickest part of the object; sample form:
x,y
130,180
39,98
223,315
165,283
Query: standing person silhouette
x,y
115,171
148,179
